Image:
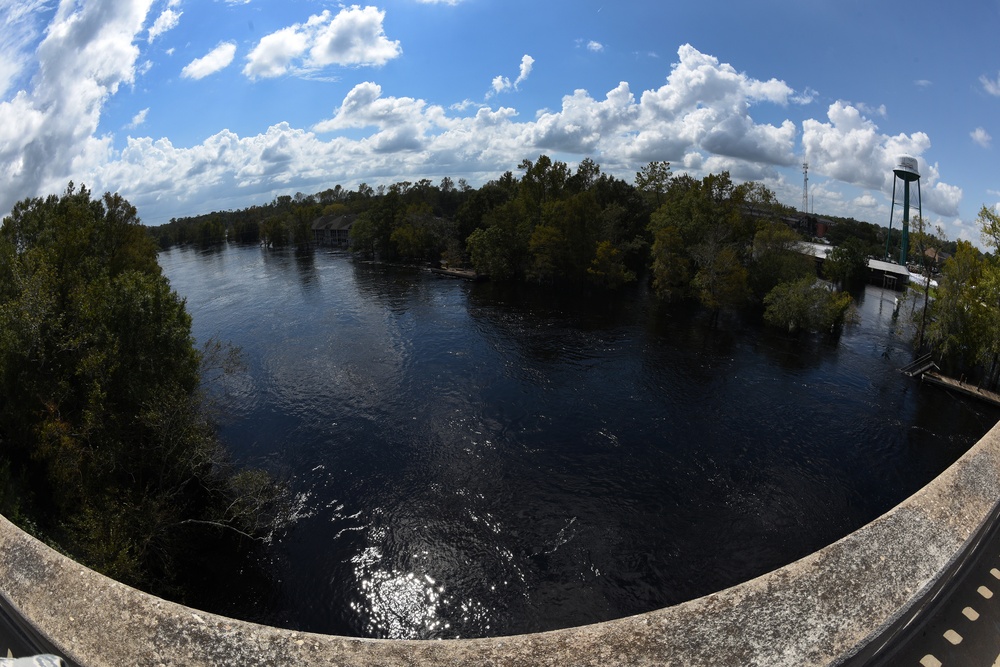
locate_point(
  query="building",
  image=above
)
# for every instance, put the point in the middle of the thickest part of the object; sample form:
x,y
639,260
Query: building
x,y
333,230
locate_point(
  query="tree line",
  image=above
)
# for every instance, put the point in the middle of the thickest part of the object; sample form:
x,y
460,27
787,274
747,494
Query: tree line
x,y
723,244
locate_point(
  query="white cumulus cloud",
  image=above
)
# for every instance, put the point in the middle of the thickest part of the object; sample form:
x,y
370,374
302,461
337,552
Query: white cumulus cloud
x,y
353,37
850,149
703,117
705,106
48,129
217,59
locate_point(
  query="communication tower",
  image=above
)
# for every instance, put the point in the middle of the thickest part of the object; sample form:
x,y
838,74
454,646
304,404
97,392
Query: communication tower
x,y
805,187
905,171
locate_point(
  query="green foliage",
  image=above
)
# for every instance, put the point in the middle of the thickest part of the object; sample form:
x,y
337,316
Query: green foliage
x,y
805,305
671,264
274,231
573,212
989,226
847,264
421,235
776,259
550,256
721,281
963,329
608,267
499,249
99,407
363,235
871,237
703,240
652,181
959,313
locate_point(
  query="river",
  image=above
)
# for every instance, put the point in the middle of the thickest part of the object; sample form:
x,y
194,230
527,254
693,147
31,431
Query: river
x,y
473,459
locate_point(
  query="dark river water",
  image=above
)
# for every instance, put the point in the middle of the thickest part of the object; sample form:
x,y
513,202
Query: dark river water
x,y
471,460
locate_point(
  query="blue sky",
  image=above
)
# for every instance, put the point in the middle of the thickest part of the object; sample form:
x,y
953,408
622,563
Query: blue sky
x,y
186,107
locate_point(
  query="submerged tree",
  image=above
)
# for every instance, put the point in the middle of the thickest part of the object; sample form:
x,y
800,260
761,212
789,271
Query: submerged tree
x,y
847,264
805,305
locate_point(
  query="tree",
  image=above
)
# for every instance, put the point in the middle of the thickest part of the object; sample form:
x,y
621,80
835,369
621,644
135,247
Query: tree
x,y
671,265
957,314
805,305
989,227
847,264
721,281
775,258
652,180
500,248
701,234
99,405
608,268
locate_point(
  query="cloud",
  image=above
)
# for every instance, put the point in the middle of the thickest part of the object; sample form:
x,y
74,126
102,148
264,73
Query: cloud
x,y
402,123
164,22
275,53
440,2
351,38
923,83
807,96
582,122
700,119
850,149
991,86
503,84
981,137
596,47
22,26
705,106
138,119
217,59
880,110
867,200
48,130
703,117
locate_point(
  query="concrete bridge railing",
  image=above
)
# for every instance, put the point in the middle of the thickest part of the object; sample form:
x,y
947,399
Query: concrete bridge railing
x,y
819,610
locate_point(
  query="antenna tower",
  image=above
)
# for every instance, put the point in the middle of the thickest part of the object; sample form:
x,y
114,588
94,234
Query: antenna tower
x,y
805,187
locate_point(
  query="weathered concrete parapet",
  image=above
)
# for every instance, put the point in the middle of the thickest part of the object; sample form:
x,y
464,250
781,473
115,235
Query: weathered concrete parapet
x,y
815,611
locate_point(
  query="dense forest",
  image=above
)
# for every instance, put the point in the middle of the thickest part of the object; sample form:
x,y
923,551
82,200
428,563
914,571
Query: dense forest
x,y
107,450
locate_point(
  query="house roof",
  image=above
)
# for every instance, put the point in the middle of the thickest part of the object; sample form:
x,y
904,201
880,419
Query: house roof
x,y
334,222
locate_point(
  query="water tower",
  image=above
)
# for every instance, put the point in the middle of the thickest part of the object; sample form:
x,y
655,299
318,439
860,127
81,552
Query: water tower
x,y
906,171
